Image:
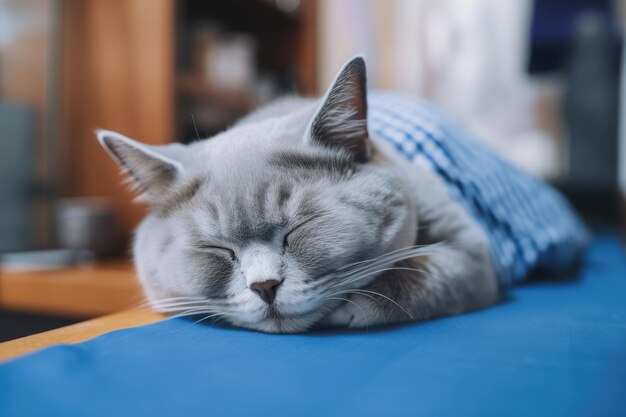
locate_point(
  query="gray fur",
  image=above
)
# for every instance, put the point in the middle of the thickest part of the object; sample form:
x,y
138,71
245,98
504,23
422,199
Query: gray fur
x,y
271,199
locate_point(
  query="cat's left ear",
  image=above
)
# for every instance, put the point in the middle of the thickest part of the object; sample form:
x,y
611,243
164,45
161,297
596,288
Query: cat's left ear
x,y
341,120
153,170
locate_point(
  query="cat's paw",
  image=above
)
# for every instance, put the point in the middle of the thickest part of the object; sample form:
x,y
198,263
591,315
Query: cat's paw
x,y
355,313
341,317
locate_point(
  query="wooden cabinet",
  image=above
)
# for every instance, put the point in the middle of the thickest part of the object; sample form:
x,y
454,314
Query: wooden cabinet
x,y
121,63
117,72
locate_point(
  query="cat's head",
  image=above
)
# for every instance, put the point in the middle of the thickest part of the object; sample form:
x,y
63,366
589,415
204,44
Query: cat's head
x,y
260,224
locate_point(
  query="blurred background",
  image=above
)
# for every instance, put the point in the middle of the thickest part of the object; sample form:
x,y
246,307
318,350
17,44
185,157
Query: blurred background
x,y
539,81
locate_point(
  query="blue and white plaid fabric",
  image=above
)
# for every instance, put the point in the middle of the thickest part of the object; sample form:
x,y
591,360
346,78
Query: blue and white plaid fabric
x,y
529,225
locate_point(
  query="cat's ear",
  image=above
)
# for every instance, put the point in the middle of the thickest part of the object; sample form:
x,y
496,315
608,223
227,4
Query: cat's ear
x,y
153,170
341,120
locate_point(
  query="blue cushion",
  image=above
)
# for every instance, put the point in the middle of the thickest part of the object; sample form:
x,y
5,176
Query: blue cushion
x,y
552,348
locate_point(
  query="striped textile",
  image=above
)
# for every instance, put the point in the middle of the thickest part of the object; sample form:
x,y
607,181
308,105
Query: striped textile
x,y
530,226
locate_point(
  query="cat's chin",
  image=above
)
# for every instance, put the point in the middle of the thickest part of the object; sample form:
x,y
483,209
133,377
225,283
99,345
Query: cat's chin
x,y
282,323
286,318
277,325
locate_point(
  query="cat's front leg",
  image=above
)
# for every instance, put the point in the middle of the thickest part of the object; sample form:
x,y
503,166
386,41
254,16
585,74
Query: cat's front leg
x,y
448,281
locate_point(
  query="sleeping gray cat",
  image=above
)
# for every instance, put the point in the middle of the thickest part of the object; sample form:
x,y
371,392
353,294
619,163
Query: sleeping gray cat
x,y
297,217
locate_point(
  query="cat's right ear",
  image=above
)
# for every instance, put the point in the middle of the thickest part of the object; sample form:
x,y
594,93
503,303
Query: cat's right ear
x,y
341,120
148,168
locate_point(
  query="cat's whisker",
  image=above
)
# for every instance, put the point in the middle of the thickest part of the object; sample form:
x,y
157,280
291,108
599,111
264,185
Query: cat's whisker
x,y
394,257
147,303
386,298
189,303
335,277
181,298
195,312
184,305
412,249
209,317
157,304
182,310
139,301
177,301
381,256
180,303
219,319
367,274
378,264
350,292
366,293
177,309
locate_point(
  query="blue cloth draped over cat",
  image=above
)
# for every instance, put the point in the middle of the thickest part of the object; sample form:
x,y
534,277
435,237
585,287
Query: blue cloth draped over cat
x,y
530,226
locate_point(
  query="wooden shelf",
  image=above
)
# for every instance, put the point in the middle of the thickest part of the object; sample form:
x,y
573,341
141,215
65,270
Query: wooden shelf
x,y
124,60
233,100
78,332
73,292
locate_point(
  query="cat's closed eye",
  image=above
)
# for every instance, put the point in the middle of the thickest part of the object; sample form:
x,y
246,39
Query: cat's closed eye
x,y
291,231
214,249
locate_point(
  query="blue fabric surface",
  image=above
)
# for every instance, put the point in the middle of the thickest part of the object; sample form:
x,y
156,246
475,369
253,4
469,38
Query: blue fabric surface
x,y
553,348
529,224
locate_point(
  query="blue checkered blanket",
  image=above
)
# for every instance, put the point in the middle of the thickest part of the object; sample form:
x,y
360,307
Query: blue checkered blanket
x,y
530,225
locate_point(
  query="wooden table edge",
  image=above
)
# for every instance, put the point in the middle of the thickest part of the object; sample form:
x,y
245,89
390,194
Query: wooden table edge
x,y
78,332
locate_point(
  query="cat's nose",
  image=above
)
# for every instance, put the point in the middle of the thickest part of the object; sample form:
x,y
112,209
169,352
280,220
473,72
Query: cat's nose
x,y
266,289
